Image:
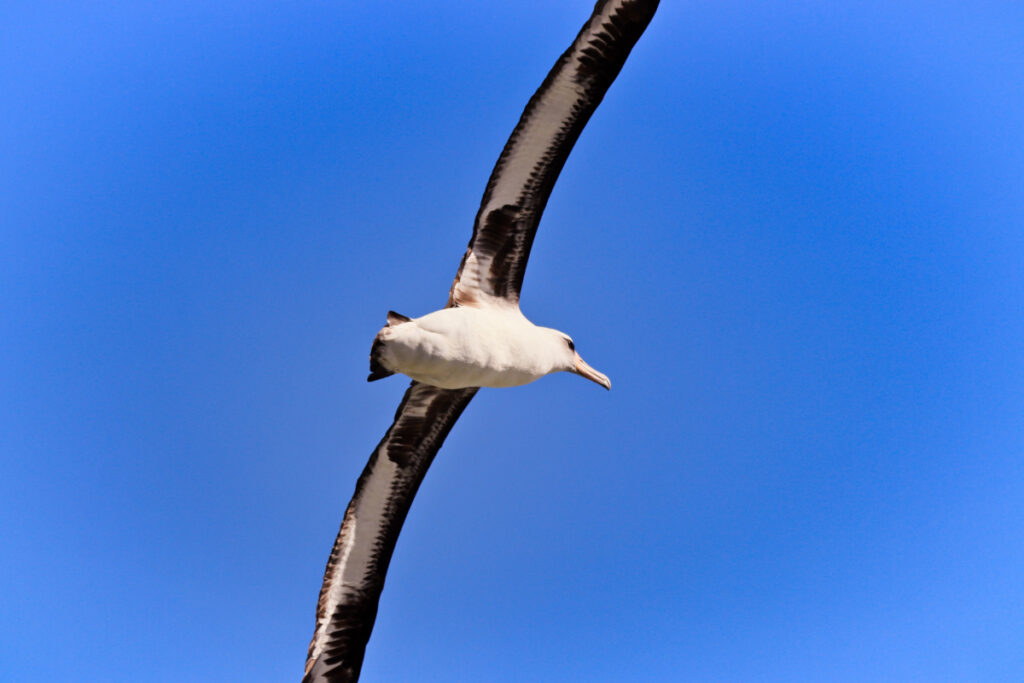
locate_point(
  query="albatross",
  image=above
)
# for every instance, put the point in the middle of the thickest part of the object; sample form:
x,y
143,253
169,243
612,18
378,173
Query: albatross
x,y
480,339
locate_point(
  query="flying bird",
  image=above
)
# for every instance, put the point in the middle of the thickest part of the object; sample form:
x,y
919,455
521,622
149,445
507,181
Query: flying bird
x,y
480,339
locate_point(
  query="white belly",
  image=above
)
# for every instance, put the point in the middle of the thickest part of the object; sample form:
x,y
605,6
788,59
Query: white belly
x,y
463,347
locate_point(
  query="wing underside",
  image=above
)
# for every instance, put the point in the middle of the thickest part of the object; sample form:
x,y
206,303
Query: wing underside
x,y
362,550
492,269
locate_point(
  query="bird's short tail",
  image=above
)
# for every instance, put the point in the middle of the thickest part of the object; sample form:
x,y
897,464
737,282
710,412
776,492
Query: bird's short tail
x,y
377,368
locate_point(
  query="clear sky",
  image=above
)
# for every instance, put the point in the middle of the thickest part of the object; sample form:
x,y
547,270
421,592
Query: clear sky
x,y
792,235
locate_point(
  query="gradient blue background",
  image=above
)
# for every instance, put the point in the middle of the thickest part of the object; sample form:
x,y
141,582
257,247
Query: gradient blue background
x,y
793,235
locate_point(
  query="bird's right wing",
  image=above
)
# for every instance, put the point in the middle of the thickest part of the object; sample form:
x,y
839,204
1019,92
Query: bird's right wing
x,y
359,560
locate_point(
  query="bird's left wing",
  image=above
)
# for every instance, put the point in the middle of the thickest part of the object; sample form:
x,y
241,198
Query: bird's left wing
x,y
359,560
491,273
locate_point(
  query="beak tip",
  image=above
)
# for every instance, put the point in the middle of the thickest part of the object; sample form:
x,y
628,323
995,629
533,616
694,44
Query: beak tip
x,y
584,370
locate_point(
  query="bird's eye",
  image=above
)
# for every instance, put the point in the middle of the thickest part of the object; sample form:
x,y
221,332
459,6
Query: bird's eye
x,y
572,347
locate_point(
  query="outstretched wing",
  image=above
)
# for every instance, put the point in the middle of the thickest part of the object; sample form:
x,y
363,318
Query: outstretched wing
x,y
492,270
359,560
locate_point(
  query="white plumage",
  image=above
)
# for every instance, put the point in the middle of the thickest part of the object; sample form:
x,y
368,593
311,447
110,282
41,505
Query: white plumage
x,y
461,347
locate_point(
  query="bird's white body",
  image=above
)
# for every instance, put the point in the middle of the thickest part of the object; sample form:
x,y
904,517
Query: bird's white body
x,y
461,347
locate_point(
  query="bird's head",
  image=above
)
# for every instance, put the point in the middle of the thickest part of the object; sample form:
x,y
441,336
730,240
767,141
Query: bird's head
x,y
569,360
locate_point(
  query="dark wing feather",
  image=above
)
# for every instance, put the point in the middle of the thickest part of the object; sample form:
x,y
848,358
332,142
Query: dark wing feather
x,y
492,270
359,560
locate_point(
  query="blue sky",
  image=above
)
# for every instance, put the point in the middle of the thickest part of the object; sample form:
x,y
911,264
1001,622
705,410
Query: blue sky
x,y
791,235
